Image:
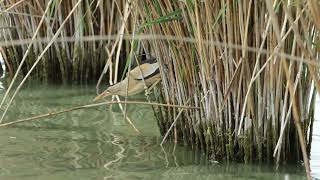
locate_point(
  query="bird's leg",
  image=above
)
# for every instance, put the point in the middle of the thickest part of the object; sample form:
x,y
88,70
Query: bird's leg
x,y
147,91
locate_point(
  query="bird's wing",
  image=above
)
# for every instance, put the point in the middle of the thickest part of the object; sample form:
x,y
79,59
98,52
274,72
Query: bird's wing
x,y
150,75
148,70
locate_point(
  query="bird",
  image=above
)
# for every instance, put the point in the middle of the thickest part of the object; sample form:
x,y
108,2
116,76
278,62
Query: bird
x,y
145,75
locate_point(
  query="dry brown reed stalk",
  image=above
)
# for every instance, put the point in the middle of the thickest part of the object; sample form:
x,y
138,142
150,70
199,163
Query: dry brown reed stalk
x,y
75,13
314,7
24,57
243,113
33,65
248,65
155,37
8,65
50,114
76,61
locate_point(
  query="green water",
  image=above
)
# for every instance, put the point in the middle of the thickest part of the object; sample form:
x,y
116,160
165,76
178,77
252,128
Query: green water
x,y
98,144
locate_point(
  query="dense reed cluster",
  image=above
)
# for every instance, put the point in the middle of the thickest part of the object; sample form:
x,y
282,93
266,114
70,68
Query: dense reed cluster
x,y
252,99
71,57
251,66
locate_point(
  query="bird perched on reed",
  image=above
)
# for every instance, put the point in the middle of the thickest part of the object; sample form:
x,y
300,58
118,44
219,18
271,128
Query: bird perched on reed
x,y
138,79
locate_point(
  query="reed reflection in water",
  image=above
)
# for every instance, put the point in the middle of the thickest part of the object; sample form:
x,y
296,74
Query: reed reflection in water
x,y
98,144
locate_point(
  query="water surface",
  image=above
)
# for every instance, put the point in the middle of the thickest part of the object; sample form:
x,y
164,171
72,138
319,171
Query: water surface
x,y
98,144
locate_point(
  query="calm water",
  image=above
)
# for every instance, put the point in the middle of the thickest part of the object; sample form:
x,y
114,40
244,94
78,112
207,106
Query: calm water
x,y
98,144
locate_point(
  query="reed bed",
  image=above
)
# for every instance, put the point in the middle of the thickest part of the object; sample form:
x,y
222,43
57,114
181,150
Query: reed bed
x,y
253,103
250,66
64,62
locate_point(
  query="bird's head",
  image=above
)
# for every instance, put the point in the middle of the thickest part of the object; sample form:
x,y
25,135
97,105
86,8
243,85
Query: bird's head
x,y
102,95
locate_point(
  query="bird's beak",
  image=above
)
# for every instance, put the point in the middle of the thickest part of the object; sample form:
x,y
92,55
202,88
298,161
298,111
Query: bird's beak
x,y
102,95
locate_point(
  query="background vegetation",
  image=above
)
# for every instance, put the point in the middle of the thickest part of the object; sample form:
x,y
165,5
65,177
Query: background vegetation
x,y
251,66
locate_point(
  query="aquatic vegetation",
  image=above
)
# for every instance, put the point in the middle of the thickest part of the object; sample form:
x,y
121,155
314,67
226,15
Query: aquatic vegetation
x,y
250,67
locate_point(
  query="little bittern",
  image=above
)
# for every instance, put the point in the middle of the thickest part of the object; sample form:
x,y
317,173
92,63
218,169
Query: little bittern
x,y
136,81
